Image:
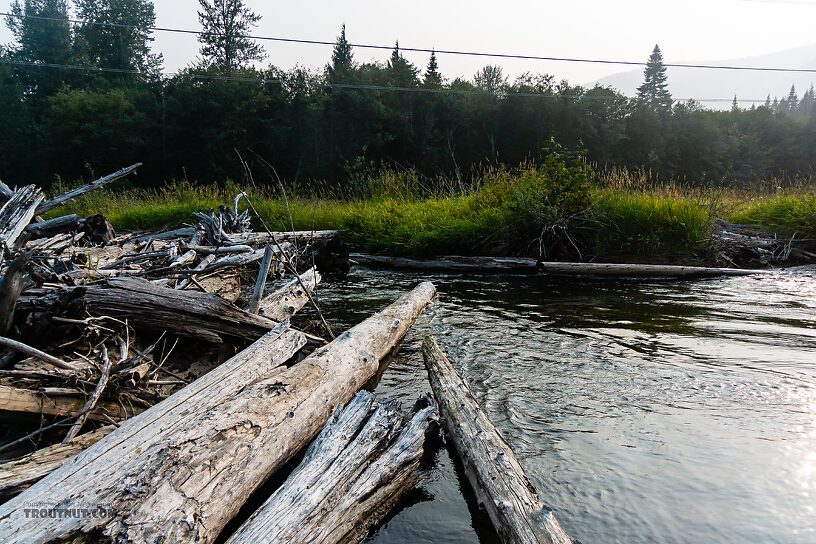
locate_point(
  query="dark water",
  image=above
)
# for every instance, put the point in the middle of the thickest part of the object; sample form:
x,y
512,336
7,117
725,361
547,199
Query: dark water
x,y
643,411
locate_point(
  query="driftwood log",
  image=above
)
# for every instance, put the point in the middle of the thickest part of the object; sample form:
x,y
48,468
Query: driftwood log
x,y
19,474
531,266
17,213
12,286
492,469
286,301
150,307
182,469
59,403
64,198
363,461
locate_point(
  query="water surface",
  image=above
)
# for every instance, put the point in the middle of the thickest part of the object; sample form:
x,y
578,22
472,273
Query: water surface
x,y
643,411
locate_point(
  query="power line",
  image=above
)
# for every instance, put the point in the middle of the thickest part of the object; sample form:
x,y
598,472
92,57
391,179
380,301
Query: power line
x,y
354,86
437,51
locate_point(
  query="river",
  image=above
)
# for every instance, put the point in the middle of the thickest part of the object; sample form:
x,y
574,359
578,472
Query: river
x,y
643,411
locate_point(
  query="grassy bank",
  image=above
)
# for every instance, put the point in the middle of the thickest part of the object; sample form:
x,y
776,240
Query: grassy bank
x,y
559,206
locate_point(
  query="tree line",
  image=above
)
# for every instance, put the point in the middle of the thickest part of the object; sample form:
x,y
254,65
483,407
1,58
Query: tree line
x,y
82,93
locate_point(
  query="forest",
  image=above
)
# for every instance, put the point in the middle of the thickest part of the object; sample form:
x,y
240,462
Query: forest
x,y
83,93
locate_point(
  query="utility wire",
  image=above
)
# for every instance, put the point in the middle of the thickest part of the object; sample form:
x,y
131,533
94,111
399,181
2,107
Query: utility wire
x,y
353,86
425,50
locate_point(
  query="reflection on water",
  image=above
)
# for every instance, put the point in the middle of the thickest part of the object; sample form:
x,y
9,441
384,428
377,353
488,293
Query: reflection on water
x,y
643,411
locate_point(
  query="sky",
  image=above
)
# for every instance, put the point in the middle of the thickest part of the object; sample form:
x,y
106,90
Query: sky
x,y
687,30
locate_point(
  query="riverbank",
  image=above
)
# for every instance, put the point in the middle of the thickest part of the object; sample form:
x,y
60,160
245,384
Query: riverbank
x,y
518,213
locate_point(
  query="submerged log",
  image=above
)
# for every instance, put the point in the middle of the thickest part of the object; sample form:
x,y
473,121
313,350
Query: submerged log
x,y
492,469
17,213
182,469
355,471
19,474
531,266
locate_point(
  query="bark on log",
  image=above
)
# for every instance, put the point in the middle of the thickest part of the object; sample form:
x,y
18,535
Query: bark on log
x,y
289,299
12,286
492,469
52,227
150,307
19,474
16,214
182,469
356,470
531,266
79,191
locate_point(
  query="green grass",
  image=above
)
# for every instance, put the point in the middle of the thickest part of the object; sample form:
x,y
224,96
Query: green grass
x,y
503,213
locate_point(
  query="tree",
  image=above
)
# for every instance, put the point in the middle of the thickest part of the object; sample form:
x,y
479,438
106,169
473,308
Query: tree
x,y
401,72
654,91
342,59
225,41
432,76
43,36
116,34
491,79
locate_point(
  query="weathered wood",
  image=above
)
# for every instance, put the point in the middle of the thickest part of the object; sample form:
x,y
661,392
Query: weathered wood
x,y
289,299
16,214
260,282
354,472
492,469
19,474
182,469
52,227
6,192
79,191
17,400
94,398
34,352
150,307
12,286
531,266
298,237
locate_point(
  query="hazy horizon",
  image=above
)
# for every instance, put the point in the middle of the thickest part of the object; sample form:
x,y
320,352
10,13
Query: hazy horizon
x,y
692,31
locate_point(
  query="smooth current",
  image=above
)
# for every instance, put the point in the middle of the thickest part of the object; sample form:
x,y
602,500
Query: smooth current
x,y
643,411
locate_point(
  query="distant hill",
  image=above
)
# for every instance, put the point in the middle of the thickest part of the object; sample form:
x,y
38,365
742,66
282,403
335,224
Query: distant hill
x,y
695,83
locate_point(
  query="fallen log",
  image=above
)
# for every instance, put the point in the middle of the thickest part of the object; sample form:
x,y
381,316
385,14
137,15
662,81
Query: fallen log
x,y
17,400
16,214
12,286
531,266
150,307
355,471
289,299
19,474
298,237
182,469
492,469
52,227
79,191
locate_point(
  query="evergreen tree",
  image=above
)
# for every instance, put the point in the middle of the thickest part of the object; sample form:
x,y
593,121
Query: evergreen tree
x,y
432,76
40,41
655,89
342,59
793,99
225,41
117,34
402,73
768,102
735,104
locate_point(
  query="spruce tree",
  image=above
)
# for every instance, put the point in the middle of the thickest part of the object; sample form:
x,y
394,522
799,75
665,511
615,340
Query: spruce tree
x,y
342,59
225,41
793,99
655,89
402,73
432,76
117,34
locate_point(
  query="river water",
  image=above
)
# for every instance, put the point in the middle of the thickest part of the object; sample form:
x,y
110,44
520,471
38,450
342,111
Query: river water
x,y
643,411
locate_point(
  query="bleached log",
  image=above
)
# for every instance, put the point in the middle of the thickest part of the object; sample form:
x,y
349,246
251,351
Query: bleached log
x,y
79,191
492,469
289,299
531,266
299,237
6,192
16,214
26,401
260,282
19,474
355,471
182,469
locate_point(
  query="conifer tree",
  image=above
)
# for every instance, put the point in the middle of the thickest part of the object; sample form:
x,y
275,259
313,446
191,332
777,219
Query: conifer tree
x,y
342,59
117,34
225,41
654,91
432,76
793,98
735,104
402,72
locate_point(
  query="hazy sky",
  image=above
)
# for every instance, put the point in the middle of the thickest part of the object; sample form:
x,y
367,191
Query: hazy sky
x,y
688,30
